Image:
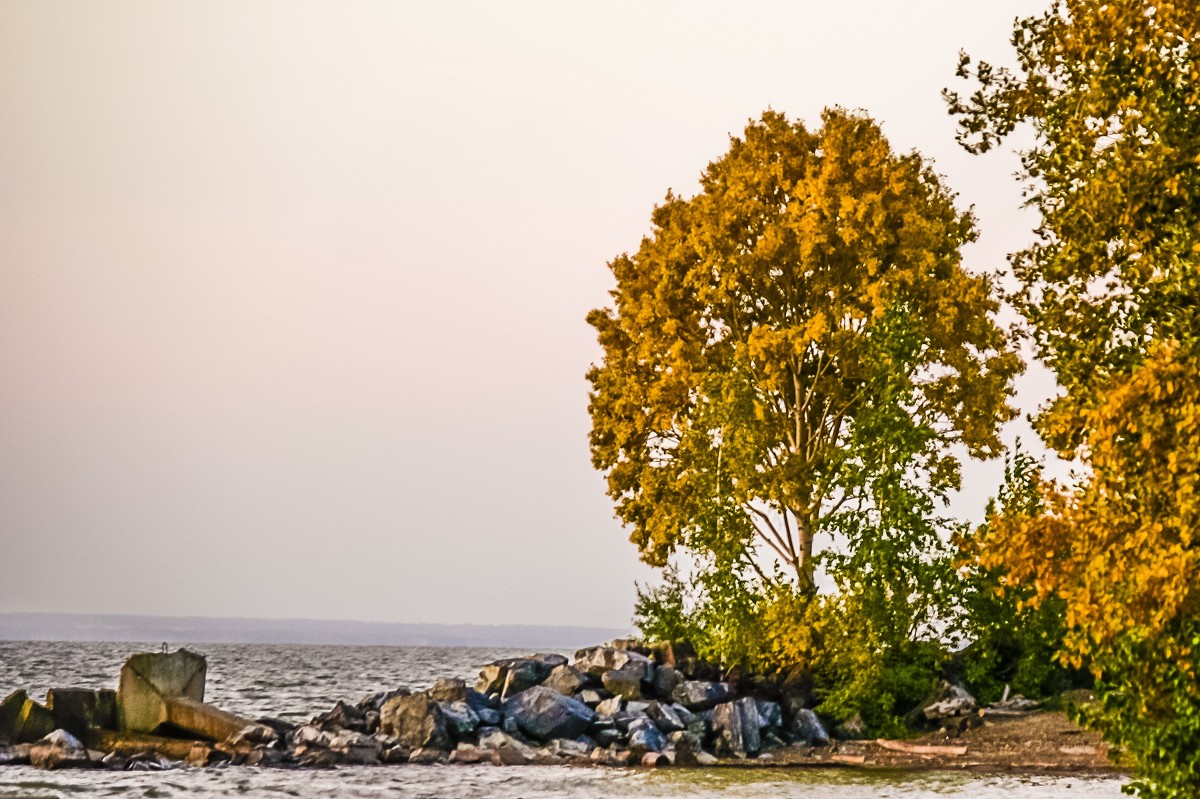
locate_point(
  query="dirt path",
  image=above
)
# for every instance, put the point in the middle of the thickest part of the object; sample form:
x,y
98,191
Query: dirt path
x,y
1035,742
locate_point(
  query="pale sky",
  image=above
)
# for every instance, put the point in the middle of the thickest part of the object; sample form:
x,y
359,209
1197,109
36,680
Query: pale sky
x,y
292,294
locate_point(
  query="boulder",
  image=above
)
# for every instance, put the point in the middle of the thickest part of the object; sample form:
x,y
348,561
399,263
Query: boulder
x,y
448,689
523,675
551,660
610,707
375,701
948,700
645,737
513,675
666,680
736,725
427,756
566,680
59,750
622,683
591,697
770,714
470,753
664,717
356,748
808,728
544,713
599,659
701,694
342,717
488,715
78,710
491,679
612,757
461,720
416,721
571,747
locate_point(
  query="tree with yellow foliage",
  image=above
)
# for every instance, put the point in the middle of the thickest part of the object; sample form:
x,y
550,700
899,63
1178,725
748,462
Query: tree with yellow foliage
x,y
1111,291
797,351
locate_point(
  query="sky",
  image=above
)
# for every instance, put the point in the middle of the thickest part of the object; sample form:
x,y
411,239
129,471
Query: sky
x,y
292,293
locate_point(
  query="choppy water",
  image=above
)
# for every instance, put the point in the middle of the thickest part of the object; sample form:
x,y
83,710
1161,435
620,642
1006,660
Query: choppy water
x,y
297,682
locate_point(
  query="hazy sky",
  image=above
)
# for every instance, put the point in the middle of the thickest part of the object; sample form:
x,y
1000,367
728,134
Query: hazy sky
x,y
292,294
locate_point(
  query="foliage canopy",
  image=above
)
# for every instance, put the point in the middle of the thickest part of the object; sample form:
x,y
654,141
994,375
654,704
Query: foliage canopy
x,y
796,350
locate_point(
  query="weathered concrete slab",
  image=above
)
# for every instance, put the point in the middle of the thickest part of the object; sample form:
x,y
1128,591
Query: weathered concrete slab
x,y
203,721
77,710
161,691
148,678
127,744
22,720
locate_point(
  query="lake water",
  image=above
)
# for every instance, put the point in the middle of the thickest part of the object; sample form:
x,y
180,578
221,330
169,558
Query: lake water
x,y
297,682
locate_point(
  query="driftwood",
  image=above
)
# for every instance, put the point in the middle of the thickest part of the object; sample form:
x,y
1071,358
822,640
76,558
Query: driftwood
x,y
922,749
854,760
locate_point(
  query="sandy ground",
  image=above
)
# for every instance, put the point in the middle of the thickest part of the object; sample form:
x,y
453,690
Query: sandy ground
x,y
1034,742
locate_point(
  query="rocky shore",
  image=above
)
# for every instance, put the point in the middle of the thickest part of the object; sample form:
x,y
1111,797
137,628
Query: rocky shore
x,y
621,704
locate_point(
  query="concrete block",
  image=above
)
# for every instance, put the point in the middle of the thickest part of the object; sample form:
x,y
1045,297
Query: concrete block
x,y
78,710
149,678
23,720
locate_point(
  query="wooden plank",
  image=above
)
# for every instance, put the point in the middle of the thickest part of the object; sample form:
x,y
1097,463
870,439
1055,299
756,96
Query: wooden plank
x,y
922,749
854,760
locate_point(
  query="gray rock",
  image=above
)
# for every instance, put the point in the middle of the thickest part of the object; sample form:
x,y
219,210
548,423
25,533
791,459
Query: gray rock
x,y
491,679
591,697
701,694
448,690
666,680
375,701
599,659
487,714
624,720
736,726
809,729
469,753
664,717
607,736
770,714
416,721
544,713
622,683
342,717
566,680
427,756
571,747
523,675
59,750
551,660
645,737
461,720
355,748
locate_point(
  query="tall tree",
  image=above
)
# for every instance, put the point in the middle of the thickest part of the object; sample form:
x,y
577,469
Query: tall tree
x,y
1111,291
796,350
1111,89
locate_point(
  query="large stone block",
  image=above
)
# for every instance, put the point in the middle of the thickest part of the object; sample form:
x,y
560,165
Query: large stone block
x,y
78,710
22,720
149,678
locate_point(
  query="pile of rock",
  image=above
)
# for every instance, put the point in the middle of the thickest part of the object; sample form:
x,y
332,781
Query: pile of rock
x,y
619,704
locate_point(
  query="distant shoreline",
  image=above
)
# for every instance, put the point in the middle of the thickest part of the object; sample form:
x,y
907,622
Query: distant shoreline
x,y
199,629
